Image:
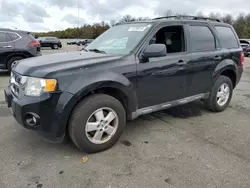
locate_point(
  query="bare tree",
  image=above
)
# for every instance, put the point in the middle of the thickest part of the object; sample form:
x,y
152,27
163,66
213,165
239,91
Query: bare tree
x,y
127,18
228,18
112,23
200,14
169,13
142,19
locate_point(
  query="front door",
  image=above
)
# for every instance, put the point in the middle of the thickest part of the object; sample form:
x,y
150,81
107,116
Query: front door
x,y
162,79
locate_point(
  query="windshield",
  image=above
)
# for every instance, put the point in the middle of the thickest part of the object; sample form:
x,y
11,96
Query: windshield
x,y
121,39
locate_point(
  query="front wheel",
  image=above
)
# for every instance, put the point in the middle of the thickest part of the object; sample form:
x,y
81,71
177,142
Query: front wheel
x,y
220,95
97,123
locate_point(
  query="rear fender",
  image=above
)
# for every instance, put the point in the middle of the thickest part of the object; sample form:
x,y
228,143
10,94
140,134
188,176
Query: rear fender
x,y
226,64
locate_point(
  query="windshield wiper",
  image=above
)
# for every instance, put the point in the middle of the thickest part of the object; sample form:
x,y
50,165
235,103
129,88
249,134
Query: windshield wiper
x,y
97,51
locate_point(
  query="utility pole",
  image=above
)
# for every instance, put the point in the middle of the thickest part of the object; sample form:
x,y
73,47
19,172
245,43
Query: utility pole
x,y
78,23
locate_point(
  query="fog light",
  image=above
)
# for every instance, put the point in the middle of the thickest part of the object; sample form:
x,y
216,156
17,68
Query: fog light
x,y
31,119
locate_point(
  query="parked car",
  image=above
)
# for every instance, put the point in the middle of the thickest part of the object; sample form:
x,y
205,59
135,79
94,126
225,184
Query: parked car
x,y
84,42
132,69
16,45
72,42
245,44
52,42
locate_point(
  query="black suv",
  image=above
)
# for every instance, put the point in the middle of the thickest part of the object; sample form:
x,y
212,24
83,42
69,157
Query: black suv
x,y
132,69
52,42
16,45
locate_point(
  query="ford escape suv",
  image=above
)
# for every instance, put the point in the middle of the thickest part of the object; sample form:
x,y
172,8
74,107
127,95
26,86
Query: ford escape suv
x,y
16,45
130,70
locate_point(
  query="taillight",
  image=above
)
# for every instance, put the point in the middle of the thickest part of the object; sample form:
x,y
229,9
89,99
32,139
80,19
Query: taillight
x,y
242,57
34,43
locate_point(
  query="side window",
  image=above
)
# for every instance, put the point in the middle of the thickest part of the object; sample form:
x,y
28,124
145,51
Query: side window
x,y
13,36
4,37
227,37
172,37
202,39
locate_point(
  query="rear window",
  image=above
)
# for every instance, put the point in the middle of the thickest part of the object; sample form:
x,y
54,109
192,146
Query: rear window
x,y
227,37
202,38
14,36
244,42
4,37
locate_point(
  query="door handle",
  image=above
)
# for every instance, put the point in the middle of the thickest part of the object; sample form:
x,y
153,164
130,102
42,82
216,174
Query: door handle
x,y
7,46
181,62
217,57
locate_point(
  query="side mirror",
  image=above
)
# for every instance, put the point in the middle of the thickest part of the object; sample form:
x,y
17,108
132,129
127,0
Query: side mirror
x,y
155,50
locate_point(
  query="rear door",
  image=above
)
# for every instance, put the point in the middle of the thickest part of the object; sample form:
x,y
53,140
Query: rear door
x,y
46,42
204,58
6,47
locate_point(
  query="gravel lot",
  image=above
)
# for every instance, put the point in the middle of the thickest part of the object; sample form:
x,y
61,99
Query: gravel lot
x,y
186,147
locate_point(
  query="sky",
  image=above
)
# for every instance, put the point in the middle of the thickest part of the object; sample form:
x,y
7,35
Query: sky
x,y
50,15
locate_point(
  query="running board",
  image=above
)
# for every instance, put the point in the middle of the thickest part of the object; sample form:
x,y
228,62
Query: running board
x,y
167,105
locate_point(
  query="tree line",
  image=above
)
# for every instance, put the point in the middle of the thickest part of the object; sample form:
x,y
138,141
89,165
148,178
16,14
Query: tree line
x,y
240,22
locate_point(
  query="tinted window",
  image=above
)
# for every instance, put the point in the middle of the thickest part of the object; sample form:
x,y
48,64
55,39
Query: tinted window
x,y
13,36
4,37
51,38
227,37
202,38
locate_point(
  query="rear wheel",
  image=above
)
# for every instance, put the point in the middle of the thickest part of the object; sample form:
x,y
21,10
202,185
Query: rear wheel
x,y
12,60
55,46
97,123
220,95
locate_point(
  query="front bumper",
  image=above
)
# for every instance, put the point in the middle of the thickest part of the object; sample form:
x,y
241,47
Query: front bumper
x,y
51,117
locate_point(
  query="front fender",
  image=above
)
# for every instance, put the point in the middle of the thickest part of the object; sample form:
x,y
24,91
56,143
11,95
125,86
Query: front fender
x,y
88,83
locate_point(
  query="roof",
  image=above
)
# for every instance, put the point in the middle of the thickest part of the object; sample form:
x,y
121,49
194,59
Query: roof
x,y
13,30
181,19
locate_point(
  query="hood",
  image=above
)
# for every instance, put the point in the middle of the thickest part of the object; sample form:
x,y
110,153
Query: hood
x,y
47,64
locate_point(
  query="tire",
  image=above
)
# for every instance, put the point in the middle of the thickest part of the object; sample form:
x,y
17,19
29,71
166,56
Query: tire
x,y
213,103
54,46
11,60
83,112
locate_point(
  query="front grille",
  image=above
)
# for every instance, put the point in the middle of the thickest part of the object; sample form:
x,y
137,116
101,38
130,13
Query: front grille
x,y
15,82
17,78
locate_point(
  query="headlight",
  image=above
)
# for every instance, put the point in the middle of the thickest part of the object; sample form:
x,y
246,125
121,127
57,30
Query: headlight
x,y
37,86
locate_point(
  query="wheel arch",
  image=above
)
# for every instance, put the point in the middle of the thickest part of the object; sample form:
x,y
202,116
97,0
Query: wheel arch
x,y
121,92
226,68
17,54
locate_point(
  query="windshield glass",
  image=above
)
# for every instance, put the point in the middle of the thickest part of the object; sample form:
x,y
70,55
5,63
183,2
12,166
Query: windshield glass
x,y
121,39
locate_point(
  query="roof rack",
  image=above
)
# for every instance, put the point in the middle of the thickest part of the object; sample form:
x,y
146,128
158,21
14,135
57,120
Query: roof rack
x,y
188,18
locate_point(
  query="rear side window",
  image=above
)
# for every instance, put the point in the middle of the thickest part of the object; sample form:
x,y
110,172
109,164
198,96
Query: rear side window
x,y
14,36
227,37
51,38
4,37
202,39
